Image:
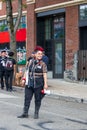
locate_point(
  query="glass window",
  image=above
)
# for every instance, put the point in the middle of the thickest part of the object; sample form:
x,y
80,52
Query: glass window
x,y
4,27
58,25
22,22
48,29
14,20
58,58
83,12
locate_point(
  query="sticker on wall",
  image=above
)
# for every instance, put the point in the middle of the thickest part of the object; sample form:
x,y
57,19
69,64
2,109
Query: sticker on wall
x,y
21,56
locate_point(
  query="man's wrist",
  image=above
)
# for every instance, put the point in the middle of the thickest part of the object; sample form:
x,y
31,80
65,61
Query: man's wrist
x,y
24,78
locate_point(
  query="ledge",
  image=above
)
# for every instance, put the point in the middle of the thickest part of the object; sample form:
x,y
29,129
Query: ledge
x,y
60,5
30,1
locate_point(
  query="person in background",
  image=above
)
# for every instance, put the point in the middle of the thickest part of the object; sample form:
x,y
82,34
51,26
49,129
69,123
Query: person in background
x,y
10,66
2,67
32,56
45,58
36,81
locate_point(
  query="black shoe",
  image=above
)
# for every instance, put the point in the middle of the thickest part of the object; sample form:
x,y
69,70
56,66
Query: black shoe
x,y
10,90
36,116
23,116
2,88
6,89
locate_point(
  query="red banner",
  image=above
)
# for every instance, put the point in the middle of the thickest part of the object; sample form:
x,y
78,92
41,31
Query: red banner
x,y
4,37
20,36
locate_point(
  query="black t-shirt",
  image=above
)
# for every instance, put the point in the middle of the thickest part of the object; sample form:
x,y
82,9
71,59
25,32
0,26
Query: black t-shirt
x,y
9,65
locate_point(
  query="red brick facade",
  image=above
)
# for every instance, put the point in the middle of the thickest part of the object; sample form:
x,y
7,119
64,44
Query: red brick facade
x,y
31,29
71,34
43,3
15,7
71,29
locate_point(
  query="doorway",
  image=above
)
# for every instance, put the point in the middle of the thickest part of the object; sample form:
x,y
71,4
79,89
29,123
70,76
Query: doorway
x,y
51,36
83,38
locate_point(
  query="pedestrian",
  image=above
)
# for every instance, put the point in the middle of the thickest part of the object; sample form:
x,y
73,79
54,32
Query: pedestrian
x,y
37,80
45,58
10,67
32,56
2,67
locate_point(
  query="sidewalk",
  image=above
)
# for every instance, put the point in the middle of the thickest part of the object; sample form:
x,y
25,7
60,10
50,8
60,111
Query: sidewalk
x,y
68,91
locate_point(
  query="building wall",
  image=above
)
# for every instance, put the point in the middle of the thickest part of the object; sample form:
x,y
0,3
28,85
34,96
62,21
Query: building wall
x,y
3,9
14,5
71,29
71,34
31,29
42,3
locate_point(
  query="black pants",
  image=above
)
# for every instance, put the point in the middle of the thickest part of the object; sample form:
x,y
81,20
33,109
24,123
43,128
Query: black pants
x,y
2,76
29,92
9,79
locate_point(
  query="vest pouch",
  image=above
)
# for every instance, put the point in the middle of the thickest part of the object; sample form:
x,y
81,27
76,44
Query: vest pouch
x,y
31,84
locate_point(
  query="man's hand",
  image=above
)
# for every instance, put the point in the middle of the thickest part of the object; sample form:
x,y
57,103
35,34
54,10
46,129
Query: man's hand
x,y
23,83
45,86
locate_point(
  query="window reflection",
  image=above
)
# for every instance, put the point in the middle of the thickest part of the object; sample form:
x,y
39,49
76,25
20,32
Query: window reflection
x,y
48,28
58,58
83,12
58,27
4,27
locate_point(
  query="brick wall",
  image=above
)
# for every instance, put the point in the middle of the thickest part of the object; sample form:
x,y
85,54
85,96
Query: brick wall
x,y
72,34
31,29
71,27
3,11
71,30
15,7
41,3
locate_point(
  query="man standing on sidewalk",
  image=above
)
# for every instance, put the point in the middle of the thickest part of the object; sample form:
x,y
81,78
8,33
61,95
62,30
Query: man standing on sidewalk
x,y
2,67
10,66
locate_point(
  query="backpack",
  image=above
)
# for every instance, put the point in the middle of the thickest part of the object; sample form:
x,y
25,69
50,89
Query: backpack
x,y
9,64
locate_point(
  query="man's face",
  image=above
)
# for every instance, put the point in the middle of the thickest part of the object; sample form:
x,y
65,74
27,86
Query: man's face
x,y
3,54
39,55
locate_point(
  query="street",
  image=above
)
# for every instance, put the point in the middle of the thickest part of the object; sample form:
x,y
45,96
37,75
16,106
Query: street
x,y
54,114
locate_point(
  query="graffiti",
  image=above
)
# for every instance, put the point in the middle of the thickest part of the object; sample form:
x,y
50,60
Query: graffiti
x,y
21,56
69,58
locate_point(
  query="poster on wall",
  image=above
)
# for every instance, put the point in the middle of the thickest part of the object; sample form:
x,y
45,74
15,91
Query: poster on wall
x,y
21,56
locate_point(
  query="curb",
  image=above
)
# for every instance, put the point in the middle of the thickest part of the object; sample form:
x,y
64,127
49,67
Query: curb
x,y
68,98
54,95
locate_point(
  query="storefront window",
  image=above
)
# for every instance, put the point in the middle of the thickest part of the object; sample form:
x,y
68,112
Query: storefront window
x,y
58,27
14,20
48,29
58,58
20,38
4,27
83,12
22,22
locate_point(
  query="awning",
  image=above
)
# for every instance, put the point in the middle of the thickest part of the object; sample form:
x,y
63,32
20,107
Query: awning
x,y
4,37
20,36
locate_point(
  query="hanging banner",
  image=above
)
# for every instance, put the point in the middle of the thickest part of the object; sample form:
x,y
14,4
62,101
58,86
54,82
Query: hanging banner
x,y
20,36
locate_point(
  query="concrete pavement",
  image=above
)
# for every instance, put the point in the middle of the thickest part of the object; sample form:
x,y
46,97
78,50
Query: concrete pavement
x,y
69,91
